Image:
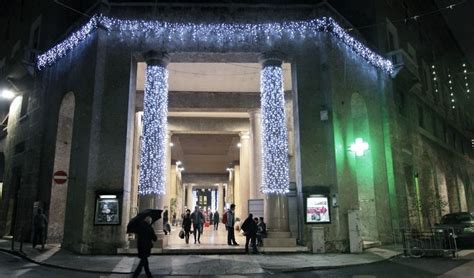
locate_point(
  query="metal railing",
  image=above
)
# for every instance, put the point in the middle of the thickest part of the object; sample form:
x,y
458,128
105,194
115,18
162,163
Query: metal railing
x,y
431,242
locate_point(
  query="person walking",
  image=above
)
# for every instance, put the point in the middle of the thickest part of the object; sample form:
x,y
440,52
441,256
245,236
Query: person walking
x,y
145,237
173,220
165,222
229,225
197,218
250,230
261,231
211,218
187,225
40,222
216,220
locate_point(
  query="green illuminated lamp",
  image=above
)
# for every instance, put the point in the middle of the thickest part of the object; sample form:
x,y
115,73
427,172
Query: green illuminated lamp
x,y
359,147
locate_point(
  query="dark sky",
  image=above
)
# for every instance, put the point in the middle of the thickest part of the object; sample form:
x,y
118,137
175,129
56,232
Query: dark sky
x,y
461,23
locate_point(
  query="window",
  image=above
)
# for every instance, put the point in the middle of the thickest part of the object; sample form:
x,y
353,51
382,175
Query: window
x,y
421,121
401,103
434,124
445,133
24,105
34,40
19,148
392,36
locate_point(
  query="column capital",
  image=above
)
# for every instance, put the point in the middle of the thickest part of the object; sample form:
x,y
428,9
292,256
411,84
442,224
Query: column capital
x,y
156,58
271,58
244,135
254,111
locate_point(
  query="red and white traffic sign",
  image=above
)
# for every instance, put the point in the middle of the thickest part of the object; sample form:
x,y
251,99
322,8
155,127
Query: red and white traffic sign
x,y
60,177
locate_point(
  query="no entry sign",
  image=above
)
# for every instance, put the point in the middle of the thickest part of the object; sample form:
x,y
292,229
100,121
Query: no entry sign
x,y
60,177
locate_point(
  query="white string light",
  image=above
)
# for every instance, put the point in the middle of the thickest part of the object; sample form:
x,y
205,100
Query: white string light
x,y
155,126
466,80
451,91
435,81
220,36
275,177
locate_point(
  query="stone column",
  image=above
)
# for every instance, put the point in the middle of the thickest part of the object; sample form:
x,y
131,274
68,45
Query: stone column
x,y
189,194
229,193
153,164
220,199
275,169
244,173
236,194
173,189
169,192
255,167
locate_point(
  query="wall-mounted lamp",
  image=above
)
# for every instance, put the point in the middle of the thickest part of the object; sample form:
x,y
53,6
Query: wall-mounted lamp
x,y
171,144
359,147
107,196
7,94
239,145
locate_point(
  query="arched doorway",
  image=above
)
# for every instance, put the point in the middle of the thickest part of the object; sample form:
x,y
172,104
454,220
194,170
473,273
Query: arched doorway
x,y
62,154
364,170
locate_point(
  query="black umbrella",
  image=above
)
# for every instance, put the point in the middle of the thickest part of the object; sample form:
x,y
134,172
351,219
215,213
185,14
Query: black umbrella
x,y
134,223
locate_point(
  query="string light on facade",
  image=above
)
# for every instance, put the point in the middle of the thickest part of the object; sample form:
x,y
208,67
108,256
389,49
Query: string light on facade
x,y
275,177
435,80
466,80
219,36
155,125
451,91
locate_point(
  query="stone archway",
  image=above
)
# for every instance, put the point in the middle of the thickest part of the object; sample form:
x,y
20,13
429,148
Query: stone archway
x,y
57,205
364,171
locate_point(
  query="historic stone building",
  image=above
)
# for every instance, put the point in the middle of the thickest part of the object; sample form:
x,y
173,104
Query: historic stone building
x,y
276,108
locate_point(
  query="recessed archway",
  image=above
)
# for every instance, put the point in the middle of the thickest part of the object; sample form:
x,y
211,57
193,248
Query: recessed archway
x,y
62,154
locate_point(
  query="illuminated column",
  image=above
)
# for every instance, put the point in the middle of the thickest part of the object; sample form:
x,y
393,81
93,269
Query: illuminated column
x,y
153,155
275,170
229,193
255,167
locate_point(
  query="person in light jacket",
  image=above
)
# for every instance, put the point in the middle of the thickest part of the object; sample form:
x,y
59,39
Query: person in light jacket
x,y
229,225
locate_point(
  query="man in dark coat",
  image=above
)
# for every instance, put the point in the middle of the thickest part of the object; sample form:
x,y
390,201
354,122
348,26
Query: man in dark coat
x,y
216,220
187,225
250,229
197,218
145,237
40,222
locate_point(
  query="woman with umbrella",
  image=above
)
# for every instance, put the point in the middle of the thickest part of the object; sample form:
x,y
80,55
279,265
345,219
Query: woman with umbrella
x,y
141,226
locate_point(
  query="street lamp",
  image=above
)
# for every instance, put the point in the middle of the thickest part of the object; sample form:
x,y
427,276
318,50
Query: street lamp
x,y
7,94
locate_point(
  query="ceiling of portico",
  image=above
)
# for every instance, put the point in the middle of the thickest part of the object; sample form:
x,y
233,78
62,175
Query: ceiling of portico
x,y
214,77
205,153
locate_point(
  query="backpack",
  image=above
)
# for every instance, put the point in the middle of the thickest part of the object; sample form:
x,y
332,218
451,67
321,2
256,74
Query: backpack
x,y
224,218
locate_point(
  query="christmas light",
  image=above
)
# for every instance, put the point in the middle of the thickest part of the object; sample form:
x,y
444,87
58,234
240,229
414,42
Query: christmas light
x,y
435,83
466,79
221,35
155,126
275,177
451,90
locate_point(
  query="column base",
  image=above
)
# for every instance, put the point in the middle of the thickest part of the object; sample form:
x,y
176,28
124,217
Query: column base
x,y
279,239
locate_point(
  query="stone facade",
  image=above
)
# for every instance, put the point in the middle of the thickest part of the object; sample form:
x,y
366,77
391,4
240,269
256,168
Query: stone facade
x,y
361,101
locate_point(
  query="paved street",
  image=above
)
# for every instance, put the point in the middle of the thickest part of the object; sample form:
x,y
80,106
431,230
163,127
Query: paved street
x,y
12,266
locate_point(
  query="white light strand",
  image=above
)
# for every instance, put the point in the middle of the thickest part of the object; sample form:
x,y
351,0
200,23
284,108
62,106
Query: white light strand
x,y
275,170
466,80
435,81
451,91
155,126
63,48
217,35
